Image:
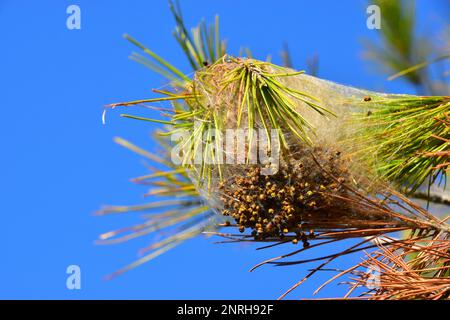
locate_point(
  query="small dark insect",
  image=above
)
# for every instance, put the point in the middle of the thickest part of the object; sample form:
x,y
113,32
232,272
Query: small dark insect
x,y
367,98
205,63
369,113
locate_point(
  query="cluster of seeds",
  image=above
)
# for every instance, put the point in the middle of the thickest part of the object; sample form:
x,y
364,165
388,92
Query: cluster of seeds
x,y
288,202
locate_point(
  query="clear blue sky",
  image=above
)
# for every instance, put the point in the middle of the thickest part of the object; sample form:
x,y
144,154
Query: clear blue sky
x,y
59,163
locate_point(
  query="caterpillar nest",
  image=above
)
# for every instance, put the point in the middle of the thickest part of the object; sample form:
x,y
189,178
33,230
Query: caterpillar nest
x,y
316,187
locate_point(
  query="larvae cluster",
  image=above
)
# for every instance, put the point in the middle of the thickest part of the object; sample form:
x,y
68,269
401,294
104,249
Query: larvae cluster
x,y
300,197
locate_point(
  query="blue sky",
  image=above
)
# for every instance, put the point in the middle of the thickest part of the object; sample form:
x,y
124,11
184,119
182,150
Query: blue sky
x,y
59,163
